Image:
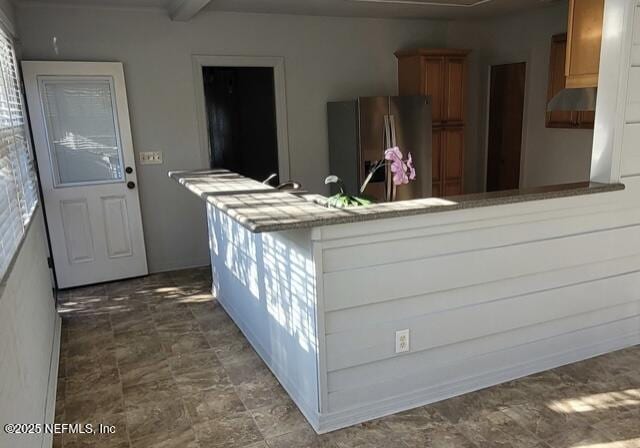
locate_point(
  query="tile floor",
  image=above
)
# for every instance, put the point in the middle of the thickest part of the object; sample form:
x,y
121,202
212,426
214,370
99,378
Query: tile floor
x,y
158,358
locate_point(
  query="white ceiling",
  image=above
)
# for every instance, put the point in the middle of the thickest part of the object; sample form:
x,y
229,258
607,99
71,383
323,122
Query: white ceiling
x,y
444,9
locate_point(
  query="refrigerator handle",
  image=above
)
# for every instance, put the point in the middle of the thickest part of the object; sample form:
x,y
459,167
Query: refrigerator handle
x,y
392,127
386,136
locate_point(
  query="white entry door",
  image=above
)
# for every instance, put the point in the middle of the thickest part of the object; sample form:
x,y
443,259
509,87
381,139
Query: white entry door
x,y
80,124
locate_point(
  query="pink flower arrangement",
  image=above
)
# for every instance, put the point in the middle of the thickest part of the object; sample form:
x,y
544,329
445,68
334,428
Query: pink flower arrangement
x,y
403,170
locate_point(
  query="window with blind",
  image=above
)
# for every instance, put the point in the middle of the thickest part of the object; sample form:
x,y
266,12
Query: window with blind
x,y
18,185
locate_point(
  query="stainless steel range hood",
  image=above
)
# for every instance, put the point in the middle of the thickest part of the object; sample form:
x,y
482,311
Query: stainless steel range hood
x,y
574,99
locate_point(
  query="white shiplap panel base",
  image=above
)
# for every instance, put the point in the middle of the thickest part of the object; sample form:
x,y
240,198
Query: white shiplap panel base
x,y
466,268
266,283
450,240
369,317
356,406
426,363
361,346
486,301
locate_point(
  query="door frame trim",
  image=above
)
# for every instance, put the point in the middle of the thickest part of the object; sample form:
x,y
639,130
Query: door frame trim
x,y
277,63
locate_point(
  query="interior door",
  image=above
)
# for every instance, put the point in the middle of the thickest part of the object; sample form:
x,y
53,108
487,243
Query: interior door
x,y
506,109
241,114
80,123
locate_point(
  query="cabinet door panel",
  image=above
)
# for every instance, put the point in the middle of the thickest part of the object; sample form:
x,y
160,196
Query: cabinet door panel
x,y
452,189
585,39
436,161
410,79
436,190
434,68
557,81
454,97
586,119
453,154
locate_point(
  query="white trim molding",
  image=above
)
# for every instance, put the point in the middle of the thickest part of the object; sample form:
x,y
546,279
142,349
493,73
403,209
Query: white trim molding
x,y
52,388
275,62
615,54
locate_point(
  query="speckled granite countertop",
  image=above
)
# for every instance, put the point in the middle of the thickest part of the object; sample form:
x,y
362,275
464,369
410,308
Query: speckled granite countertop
x,y
261,208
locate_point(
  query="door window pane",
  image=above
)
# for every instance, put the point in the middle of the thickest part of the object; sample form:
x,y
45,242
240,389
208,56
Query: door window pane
x,y
82,129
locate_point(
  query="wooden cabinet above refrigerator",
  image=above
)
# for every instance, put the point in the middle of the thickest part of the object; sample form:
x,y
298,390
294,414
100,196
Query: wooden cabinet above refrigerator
x,y
584,40
440,74
557,82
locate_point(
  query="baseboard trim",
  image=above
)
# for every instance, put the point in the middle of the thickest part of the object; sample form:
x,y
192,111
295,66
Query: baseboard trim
x,y
52,382
332,421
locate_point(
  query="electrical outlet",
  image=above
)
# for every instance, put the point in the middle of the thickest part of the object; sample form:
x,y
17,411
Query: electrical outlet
x,y
402,341
151,158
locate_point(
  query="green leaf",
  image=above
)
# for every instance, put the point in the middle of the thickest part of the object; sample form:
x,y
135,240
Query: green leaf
x,y
335,180
341,200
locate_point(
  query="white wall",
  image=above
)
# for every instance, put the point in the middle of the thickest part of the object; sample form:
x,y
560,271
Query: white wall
x,y
551,156
29,328
29,340
325,59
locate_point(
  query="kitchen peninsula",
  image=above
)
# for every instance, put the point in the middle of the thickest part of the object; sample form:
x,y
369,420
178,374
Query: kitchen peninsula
x,y
488,288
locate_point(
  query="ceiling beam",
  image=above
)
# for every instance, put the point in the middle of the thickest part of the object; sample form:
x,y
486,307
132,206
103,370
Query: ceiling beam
x,y
185,10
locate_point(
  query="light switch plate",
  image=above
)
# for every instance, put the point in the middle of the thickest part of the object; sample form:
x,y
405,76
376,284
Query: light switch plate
x,y
151,158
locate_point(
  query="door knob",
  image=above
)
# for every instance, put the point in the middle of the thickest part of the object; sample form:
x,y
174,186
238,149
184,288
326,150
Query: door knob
x,y
131,185
128,170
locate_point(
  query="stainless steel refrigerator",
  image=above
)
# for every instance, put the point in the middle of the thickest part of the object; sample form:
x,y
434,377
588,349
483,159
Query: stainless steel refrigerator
x,y
361,130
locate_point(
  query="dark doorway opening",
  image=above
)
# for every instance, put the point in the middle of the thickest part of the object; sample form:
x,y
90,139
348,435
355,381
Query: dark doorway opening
x,y
506,109
241,117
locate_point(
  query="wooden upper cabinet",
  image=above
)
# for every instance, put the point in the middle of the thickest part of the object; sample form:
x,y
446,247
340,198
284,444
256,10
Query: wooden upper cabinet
x,y
436,155
584,42
439,73
557,82
434,86
586,119
453,154
455,87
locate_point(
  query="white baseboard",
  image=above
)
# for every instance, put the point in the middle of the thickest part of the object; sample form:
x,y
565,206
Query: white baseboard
x,y
50,403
